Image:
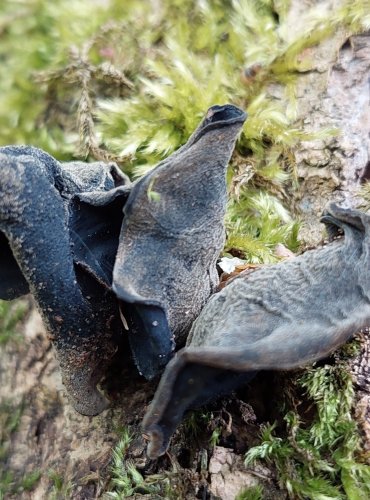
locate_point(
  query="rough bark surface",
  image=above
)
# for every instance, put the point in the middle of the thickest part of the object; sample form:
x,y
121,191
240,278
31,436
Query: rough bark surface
x,y
52,436
334,93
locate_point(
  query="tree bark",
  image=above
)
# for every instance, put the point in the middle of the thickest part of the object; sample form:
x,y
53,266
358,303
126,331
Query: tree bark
x,y
50,435
334,93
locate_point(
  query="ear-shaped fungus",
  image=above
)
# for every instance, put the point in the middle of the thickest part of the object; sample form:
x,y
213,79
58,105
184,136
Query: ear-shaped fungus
x,y
172,234
278,317
50,247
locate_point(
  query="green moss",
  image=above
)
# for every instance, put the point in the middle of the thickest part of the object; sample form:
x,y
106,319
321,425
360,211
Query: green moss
x,y
256,223
115,80
215,437
6,483
30,480
60,488
252,493
319,458
121,80
10,415
37,35
194,424
11,313
126,480
198,62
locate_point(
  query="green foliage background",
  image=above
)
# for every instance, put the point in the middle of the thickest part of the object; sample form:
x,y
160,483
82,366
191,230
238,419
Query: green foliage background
x,y
129,81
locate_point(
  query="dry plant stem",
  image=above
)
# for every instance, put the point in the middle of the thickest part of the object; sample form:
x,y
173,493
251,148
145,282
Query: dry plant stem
x,y
82,72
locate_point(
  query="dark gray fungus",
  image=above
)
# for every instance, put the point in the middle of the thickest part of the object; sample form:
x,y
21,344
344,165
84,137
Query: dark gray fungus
x,y
172,234
279,317
95,249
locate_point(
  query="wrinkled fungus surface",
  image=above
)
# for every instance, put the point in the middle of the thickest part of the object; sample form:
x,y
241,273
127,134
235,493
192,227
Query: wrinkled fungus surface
x,y
278,317
105,258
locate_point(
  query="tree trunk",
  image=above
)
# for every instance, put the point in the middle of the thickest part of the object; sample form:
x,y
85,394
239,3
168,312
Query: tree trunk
x,y
334,93
74,452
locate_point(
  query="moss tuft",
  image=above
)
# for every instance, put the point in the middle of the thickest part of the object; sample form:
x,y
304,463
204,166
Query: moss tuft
x,y
252,493
10,415
319,458
11,313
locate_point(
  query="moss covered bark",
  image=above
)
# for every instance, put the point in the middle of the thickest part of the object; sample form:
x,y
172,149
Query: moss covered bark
x,y
128,81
